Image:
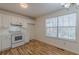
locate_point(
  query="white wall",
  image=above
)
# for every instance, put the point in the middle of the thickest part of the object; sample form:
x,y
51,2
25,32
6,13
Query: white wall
x,y
40,31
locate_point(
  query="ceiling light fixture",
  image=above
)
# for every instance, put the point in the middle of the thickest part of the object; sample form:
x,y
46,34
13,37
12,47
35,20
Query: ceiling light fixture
x,y
68,5
24,5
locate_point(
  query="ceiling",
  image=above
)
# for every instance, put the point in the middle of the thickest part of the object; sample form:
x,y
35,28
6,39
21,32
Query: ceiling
x,y
33,10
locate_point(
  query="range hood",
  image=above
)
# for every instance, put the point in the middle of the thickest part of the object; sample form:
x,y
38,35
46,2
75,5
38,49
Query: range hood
x,y
15,27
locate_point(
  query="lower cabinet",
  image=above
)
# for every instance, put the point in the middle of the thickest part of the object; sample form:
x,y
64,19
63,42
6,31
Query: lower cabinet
x,y
5,42
0,44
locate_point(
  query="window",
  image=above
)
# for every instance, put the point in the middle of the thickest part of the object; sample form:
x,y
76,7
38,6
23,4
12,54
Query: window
x,y
66,26
51,26
62,27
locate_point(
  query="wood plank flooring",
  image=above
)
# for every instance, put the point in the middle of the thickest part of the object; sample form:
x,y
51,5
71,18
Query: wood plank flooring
x,y
35,47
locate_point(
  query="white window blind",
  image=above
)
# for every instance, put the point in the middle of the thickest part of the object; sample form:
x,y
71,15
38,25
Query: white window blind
x,y
51,27
62,27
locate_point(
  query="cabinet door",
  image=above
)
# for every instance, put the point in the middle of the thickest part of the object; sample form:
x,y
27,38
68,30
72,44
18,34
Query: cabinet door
x,y
14,20
0,20
0,43
6,42
19,20
5,21
24,23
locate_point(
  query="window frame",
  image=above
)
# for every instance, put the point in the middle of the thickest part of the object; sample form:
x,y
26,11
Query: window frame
x,y
51,27
59,38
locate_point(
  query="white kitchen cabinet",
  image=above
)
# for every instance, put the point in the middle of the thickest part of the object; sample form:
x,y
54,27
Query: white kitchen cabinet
x,y
5,40
24,23
0,44
0,21
5,21
19,20
14,20
6,43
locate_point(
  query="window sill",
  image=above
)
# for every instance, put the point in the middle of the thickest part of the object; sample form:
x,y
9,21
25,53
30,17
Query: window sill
x,y
69,40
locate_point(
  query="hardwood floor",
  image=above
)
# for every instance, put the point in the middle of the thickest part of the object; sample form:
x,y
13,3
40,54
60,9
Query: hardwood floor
x,y
35,47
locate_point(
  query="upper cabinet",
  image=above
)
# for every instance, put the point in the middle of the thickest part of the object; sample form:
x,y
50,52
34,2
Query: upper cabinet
x,y
19,20
24,22
14,20
0,20
7,20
